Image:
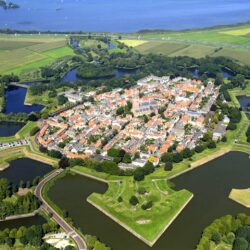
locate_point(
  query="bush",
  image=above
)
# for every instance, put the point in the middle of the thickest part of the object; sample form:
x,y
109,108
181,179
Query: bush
x,y
224,139
168,166
119,199
231,126
142,190
147,205
211,144
133,200
34,130
199,149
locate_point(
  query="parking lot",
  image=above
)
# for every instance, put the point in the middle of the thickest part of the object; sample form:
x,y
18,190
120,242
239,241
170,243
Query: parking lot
x,y
18,143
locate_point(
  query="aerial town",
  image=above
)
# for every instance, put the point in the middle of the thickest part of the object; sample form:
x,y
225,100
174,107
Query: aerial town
x,y
146,119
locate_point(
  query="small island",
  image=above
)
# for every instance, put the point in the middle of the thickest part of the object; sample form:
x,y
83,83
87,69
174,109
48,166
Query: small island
x,y
7,6
241,196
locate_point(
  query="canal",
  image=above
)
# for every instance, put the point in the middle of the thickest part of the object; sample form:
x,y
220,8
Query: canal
x,y
10,128
210,183
25,169
15,97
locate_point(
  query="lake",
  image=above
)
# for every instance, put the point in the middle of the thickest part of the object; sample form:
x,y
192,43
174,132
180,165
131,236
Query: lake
x,y
27,222
210,183
25,169
15,97
123,16
10,128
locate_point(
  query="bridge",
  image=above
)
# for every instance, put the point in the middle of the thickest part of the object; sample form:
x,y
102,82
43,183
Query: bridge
x,y
61,222
19,85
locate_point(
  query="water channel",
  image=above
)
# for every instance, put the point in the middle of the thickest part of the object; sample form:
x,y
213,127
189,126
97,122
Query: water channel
x,y
210,184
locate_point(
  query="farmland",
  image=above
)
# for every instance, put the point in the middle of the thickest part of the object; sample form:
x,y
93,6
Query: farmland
x,y
232,42
21,54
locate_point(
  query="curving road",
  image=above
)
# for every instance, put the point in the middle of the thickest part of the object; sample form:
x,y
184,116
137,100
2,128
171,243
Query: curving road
x,y
68,229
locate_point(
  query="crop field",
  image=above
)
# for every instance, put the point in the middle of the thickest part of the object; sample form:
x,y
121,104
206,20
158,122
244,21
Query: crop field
x,y
238,32
236,35
133,43
193,50
158,47
25,53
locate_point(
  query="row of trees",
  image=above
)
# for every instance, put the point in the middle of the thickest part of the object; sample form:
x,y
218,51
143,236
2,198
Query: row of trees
x,y
31,236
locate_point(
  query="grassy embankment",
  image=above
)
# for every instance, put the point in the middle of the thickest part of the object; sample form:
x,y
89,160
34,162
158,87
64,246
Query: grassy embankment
x,y
31,151
24,54
190,44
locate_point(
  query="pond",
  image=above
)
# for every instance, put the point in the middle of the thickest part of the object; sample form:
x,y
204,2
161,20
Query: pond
x,y
25,169
245,104
10,128
71,76
210,183
27,222
15,97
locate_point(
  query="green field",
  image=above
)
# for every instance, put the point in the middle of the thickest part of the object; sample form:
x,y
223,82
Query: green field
x,y
21,54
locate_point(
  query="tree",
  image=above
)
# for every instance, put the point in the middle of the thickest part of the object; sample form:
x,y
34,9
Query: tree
x,y
186,153
211,144
216,238
55,154
168,166
139,174
167,157
199,148
62,99
127,158
119,199
133,200
64,162
177,157
240,244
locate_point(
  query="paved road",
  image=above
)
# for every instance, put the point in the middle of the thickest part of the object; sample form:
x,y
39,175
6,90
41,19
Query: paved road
x,y
68,229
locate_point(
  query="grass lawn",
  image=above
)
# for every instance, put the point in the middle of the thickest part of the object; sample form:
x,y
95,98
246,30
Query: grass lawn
x,y
92,44
241,196
20,54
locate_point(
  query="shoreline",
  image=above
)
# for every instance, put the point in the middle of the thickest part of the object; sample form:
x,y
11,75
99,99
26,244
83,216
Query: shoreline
x,y
20,216
140,31
201,162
